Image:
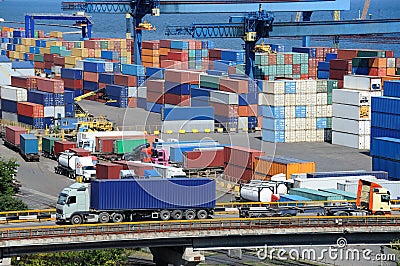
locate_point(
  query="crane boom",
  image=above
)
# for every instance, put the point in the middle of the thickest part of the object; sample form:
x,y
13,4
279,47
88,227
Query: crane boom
x,y
365,9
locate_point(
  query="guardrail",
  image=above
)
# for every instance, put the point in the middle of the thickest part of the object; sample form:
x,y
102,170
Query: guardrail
x,y
211,225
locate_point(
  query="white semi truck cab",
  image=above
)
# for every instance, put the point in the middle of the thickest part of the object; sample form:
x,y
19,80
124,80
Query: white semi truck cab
x,y
72,201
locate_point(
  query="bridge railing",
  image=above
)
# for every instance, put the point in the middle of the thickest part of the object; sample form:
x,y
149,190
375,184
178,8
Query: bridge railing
x,y
193,227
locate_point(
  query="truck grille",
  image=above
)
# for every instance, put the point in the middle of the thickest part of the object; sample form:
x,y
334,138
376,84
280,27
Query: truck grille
x,y
58,211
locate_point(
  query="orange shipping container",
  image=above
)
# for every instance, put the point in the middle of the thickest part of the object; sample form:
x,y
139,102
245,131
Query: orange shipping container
x,y
91,76
272,165
30,109
250,110
391,71
378,62
149,52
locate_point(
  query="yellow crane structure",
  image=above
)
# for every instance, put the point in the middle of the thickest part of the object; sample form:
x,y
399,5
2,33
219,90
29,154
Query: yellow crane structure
x,y
365,9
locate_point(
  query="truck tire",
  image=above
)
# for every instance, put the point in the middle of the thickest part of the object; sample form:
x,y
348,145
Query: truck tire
x,y
76,219
190,215
117,217
202,214
177,214
104,217
165,215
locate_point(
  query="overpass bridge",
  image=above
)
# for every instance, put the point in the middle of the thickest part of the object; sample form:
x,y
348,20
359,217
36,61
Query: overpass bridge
x,y
175,236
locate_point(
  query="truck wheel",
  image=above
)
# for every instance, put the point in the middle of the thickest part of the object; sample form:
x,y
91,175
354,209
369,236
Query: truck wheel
x,y
76,219
202,214
165,215
177,215
117,217
104,217
190,215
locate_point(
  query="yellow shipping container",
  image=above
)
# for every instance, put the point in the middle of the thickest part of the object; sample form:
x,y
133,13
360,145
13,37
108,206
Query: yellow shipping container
x,y
150,59
69,65
20,48
44,50
269,166
123,53
11,54
164,51
71,60
110,45
56,34
82,52
97,53
129,60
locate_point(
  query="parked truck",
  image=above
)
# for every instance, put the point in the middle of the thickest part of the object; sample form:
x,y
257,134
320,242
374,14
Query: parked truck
x,y
132,199
372,199
73,166
29,147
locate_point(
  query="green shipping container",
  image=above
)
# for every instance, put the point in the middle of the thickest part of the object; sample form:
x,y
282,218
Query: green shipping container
x,y
104,45
315,195
38,58
367,53
329,122
65,53
48,144
345,194
360,62
331,85
57,49
122,146
209,81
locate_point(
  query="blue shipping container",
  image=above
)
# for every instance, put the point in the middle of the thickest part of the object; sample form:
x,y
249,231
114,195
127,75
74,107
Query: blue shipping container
x,y
200,92
325,66
9,106
273,123
390,121
155,73
70,110
154,107
187,113
290,87
385,148
29,144
148,194
378,174
35,122
141,103
151,173
69,97
58,99
71,73
106,78
272,111
301,111
90,86
272,135
94,66
390,166
199,102
133,70
377,132
392,88
176,88
41,97
384,104
116,91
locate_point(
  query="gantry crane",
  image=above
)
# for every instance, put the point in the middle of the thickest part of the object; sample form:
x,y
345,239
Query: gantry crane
x,y
365,9
138,9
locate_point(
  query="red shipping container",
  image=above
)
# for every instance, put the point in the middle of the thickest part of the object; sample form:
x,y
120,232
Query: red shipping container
x,y
73,83
165,43
59,60
347,53
137,167
155,97
182,76
80,152
27,82
13,133
234,85
296,69
165,63
340,84
250,110
125,80
237,173
105,144
288,59
48,65
155,85
389,53
63,145
90,76
272,59
108,170
92,44
132,103
198,45
50,85
178,56
337,74
241,156
215,53
174,99
30,109
226,110
203,159
38,65
49,57
152,45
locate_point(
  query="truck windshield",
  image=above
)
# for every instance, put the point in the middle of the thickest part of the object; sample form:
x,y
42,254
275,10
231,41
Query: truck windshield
x,y
62,199
385,198
87,168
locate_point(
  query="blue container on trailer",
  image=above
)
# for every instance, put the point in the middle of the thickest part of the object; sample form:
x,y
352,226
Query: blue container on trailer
x,y
273,123
301,111
346,195
325,66
150,174
378,174
29,144
272,135
155,72
94,66
133,70
290,198
71,73
107,78
68,97
9,106
315,194
392,88
148,194
187,113
176,88
154,107
90,86
330,56
58,99
41,97
390,166
141,103
35,122
377,132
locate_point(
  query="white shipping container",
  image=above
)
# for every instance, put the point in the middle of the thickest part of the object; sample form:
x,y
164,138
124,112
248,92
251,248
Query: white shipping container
x,y
290,112
327,182
14,94
311,111
290,99
22,72
48,111
273,87
59,111
300,135
79,64
350,111
392,186
320,135
9,116
290,124
188,126
56,70
301,123
322,98
311,135
351,140
5,76
311,86
132,92
243,123
329,112
301,99
322,110
356,127
390,62
360,82
224,97
142,92
271,99
109,67
351,97
311,123
290,135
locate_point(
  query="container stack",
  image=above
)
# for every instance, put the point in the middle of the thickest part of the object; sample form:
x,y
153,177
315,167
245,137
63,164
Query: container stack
x,y
177,86
56,89
187,119
239,163
151,53
154,93
385,130
10,96
295,111
351,111
73,80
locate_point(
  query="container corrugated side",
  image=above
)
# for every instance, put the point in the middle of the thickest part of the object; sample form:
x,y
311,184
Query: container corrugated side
x,y
48,144
29,144
187,113
385,148
152,194
314,194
